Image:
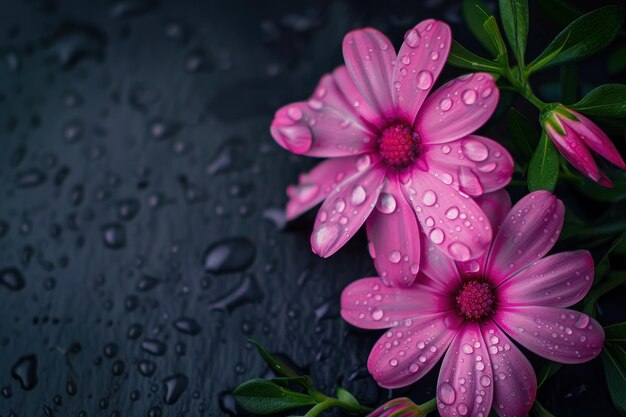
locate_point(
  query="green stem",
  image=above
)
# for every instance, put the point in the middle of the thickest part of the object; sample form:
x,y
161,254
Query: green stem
x,y
319,407
429,406
540,410
522,86
333,402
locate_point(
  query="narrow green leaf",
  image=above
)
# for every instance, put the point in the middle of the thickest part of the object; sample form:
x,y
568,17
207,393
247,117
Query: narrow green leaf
x,y
276,365
608,100
284,381
492,29
522,132
259,396
584,36
462,58
544,59
616,332
514,15
547,370
543,170
345,396
616,380
475,13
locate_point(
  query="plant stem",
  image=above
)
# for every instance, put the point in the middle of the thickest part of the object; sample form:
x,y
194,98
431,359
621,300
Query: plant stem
x,y
330,402
522,86
429,406
319,407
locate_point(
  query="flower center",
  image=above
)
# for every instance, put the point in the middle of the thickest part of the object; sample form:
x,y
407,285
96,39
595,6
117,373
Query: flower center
x,y
475,300
398,145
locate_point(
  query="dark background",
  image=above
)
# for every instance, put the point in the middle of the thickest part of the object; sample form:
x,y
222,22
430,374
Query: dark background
x,y
141,234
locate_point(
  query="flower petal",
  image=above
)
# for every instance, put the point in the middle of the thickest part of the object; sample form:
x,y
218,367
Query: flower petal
x,y
527,234
575,151
496,205
464,387
457,109
345,210
327,125
436,269
559,280
473,164
515,383
406,353
557,334
596,139
369,304
314,186
349,96
370,59
420,60
394,237
452,221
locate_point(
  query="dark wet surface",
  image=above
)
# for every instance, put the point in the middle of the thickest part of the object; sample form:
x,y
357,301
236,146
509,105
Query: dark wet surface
x,y
141,233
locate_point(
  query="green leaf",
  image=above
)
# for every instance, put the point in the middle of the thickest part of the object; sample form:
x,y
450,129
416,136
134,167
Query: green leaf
x,y
284,381
616,380
522,132
544,59
277,366
345,396
476,13
461,57
260,396
616,332
583,37
514,15
543,170
492,29
608,100
617,60
547,369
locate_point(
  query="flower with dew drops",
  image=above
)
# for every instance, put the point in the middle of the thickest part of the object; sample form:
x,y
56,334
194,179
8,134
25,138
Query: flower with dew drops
x,y
575,136
470,311
401,160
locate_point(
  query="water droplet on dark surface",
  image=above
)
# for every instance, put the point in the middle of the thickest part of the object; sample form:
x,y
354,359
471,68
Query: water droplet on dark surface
x,y
128,209
114,235
75,42
154,347
25,371
12,279
174,387
134,331
30,178
248,291
187,326
146,283
229,255
147,368
230,156
131,8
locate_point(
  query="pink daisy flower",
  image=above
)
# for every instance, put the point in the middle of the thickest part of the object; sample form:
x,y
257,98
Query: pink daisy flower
x,y
575,136
471,309
399,158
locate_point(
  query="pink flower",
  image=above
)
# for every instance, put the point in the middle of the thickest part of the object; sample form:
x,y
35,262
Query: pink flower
x,y
398,407
396,150
471,309
574,136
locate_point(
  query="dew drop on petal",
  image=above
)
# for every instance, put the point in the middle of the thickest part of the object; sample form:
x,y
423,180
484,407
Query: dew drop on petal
x,y
358,195
436,235
424,80
452,213
412,38
386,203
459,251
474,150
377,314
582,322
445,104
462,409
469,97
446,393
395,256
429,198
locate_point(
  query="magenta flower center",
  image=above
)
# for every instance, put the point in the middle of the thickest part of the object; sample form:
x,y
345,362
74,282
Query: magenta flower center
x,y
475,300
398,145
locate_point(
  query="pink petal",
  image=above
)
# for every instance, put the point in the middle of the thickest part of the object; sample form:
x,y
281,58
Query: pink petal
x,y
394,237
452,221
314,186
370,59
407,352
457,109
559,280
345,210
557,334
496,205
327,125
436,269
420,60
349,96
473,164
528,233
575,151
596,139
465,385
515,383
369,304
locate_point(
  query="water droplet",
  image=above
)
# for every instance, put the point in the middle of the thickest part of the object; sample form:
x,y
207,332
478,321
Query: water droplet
x,y
25,371
363,162
446,393
462,409
424,80
12,278
393,362
429,198
358,195
154,347
174,387
486,93
485,381
459,251
187,325
325,236
474,150
229,255
434,55
386,203
445,104
436,235
467,349
395,256
582,322
294,113
469,97
377,314
114,235
412,38
452,213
